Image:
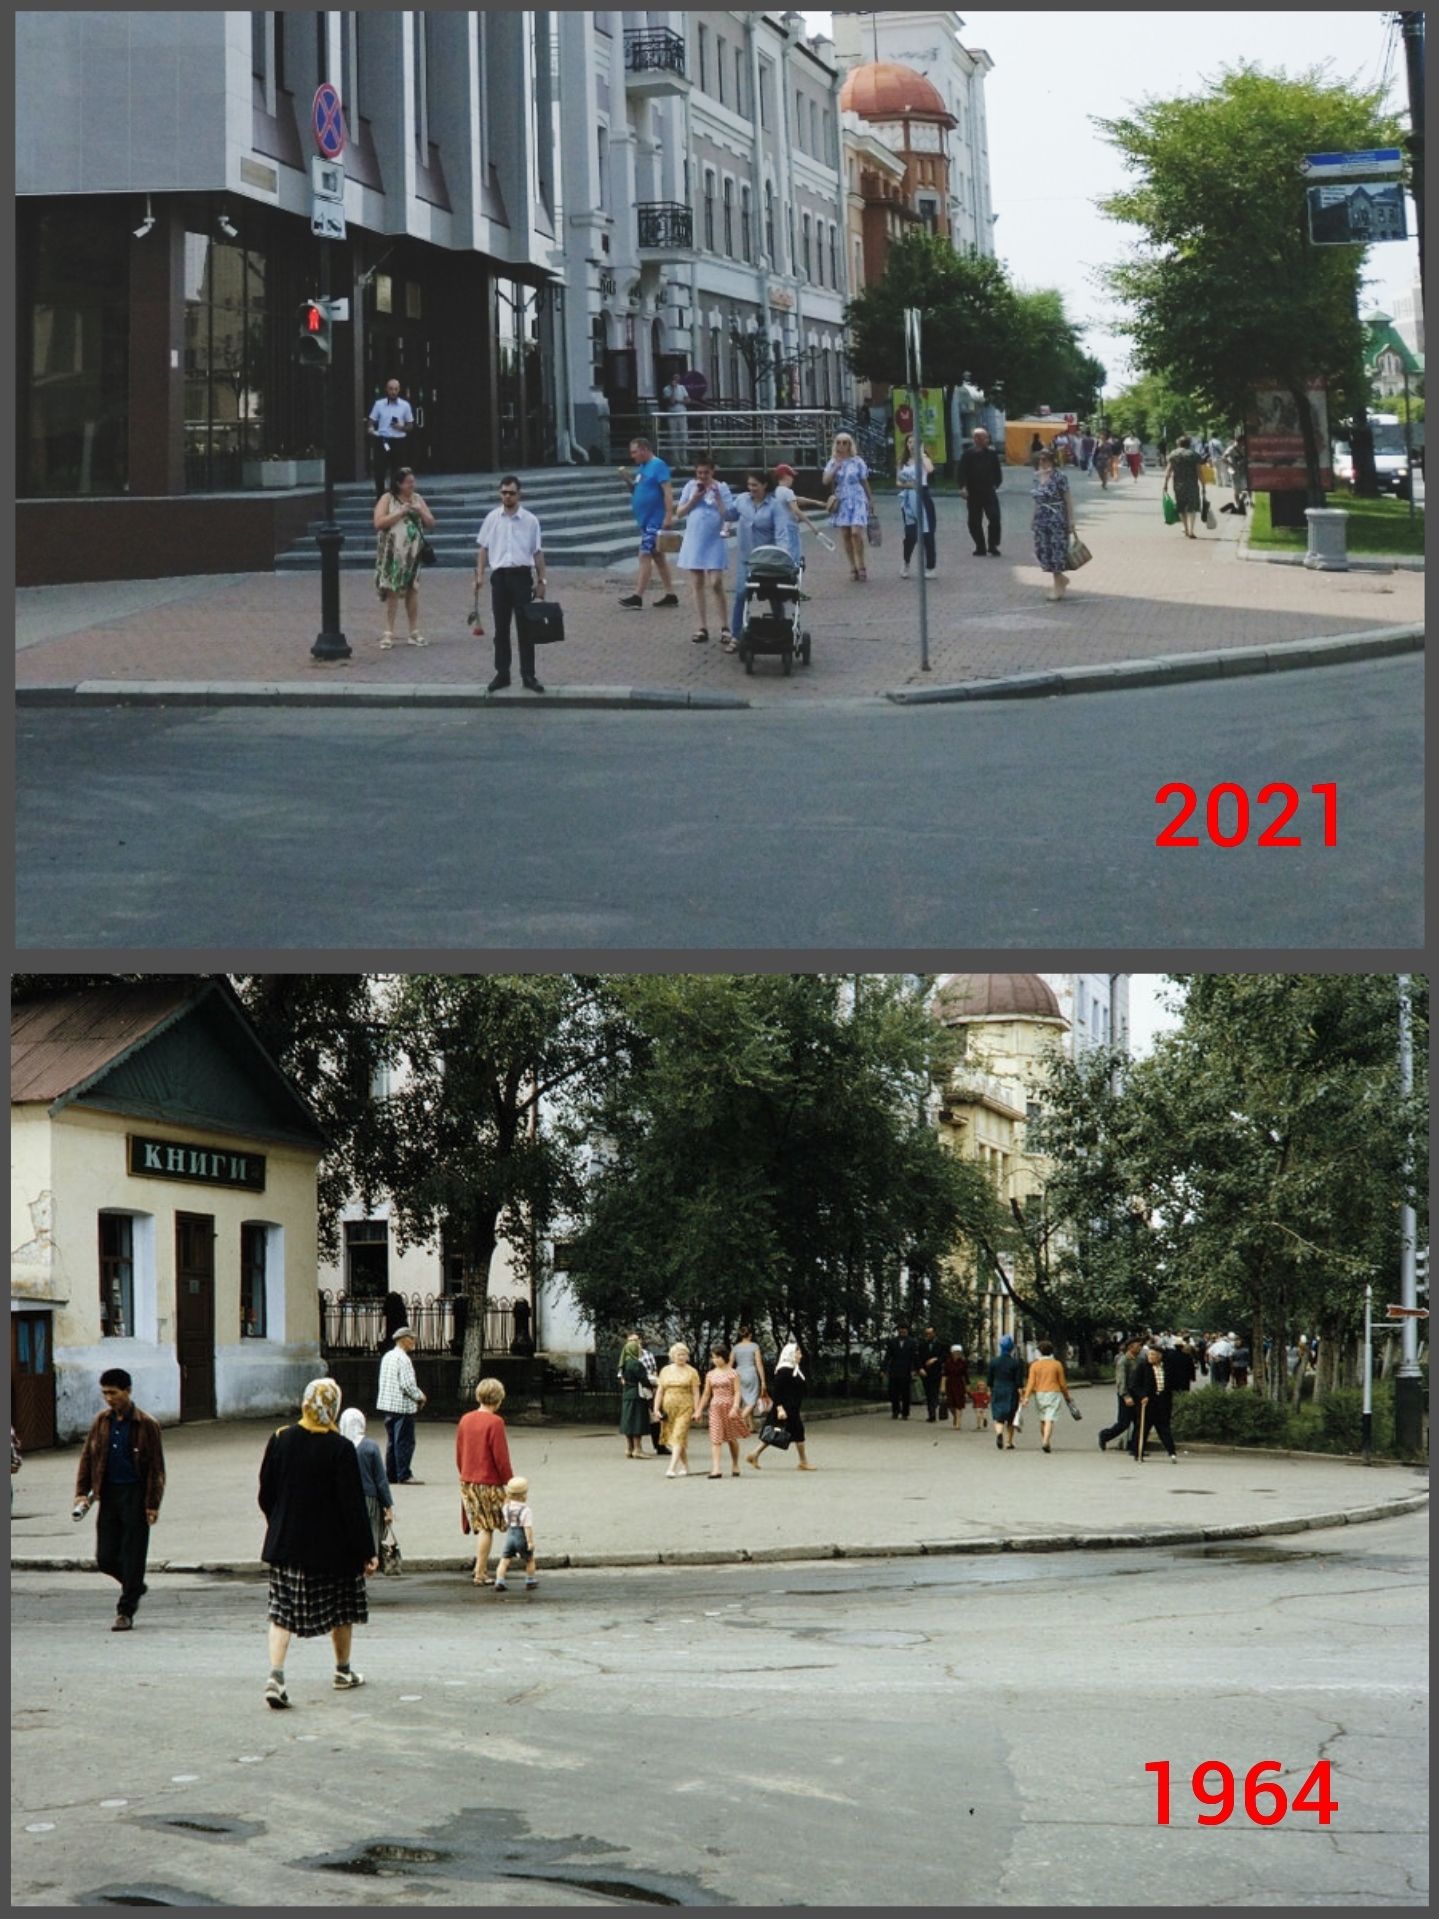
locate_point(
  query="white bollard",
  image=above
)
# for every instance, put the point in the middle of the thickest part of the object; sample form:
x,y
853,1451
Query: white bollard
x,y
1328,527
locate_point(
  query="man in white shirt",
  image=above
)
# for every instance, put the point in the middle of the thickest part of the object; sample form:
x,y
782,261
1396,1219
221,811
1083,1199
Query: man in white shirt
x,y
510,546
399,1399
388,424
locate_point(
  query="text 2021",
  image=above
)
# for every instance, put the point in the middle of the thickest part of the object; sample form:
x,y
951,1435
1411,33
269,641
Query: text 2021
x,y
1227,813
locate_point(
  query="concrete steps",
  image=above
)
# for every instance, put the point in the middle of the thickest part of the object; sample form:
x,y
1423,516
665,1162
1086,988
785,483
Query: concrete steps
x,y
584,512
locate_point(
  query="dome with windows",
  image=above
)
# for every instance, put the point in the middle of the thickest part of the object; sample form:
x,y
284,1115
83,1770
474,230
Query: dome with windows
x,y
973,996
882,90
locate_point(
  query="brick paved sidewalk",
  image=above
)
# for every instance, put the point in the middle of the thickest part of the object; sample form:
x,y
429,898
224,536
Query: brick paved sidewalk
x,y
1147,592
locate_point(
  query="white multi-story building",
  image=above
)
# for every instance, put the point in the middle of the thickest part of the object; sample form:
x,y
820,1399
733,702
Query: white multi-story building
x,y
1096,1005
930,43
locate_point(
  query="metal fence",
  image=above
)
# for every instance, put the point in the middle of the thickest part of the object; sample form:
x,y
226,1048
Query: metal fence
x,y
438,1321
650,49
736,437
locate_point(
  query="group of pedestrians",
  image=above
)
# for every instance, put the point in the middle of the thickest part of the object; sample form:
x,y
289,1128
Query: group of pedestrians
x,y
736,1399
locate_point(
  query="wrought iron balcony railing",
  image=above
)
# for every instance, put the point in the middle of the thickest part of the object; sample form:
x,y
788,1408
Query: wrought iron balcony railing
x,y
665,225
654,49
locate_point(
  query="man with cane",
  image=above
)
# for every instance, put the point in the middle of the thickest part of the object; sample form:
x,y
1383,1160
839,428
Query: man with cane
x,y
1153,1395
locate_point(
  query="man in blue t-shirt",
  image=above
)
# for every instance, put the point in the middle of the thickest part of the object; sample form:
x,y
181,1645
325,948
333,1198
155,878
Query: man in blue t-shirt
x,y
652,502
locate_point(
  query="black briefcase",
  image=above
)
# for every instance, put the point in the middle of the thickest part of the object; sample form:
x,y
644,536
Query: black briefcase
x,y
542,622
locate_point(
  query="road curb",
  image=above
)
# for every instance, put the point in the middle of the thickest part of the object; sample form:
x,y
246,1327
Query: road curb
x,y
1173,668
361,693
778,1555
1357,562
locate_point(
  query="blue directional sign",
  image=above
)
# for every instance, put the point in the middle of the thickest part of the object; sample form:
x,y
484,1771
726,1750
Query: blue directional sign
x,y
1374,163
327,121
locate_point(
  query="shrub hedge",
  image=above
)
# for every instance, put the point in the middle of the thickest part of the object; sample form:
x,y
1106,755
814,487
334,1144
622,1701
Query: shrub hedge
x,y
1334,1425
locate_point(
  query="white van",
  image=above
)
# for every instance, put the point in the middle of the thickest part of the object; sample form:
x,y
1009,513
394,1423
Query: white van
x,y
1391,461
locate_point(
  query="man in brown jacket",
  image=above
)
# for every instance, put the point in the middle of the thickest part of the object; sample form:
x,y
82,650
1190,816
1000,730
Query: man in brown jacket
x,y
122,1464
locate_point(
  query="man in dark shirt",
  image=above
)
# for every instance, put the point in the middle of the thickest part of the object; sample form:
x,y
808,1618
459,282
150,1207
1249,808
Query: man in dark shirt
x,y
932,1355
901,1363
1151,1391
980,478
122,1464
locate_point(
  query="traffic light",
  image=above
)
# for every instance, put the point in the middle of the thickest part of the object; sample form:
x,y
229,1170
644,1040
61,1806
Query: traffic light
x,y
312,346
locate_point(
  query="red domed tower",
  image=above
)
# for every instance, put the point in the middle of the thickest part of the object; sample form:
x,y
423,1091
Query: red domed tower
x,y
905,113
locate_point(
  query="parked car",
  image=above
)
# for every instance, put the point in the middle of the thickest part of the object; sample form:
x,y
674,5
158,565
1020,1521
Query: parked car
x,y
1391,458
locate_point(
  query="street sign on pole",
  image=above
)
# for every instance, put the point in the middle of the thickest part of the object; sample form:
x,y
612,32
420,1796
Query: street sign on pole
x,y
1356,215
1376,163
327,120
1406,1312
327,178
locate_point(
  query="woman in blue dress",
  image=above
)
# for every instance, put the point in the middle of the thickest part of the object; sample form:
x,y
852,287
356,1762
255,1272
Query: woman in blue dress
x,y
761,519
1053,522
704,506
853,501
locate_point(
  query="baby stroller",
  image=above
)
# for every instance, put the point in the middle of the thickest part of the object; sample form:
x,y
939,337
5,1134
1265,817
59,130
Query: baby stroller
x,y
775,578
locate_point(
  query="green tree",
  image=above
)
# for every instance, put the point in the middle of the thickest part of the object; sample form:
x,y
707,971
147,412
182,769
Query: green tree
x,y
1151,409
1226,291
1046,364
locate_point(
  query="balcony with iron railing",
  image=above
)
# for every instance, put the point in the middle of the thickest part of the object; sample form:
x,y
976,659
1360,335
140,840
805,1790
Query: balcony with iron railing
x,y
655,61
665,227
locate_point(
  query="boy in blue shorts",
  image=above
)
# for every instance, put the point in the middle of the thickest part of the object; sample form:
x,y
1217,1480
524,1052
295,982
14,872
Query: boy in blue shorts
x,y
519,1534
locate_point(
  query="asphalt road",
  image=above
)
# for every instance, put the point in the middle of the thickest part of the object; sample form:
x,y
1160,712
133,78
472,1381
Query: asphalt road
x,y
891,1732
1013,824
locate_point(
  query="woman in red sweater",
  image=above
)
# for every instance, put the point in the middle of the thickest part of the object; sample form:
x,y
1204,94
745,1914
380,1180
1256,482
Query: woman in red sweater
x,y
482,1455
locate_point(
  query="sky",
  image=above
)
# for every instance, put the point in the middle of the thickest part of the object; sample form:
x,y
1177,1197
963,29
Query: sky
x,y
1148,1015
1048,164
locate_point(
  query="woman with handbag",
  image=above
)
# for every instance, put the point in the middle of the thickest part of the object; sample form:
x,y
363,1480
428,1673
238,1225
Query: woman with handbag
x,y
1053,522
785,1426
1181,474
1004,1379
635,1403
853,501
379,1500
1047,1384
401,522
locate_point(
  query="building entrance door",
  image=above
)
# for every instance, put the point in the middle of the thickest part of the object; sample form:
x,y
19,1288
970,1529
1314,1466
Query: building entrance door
x,y
195,1313
32,1380
397,348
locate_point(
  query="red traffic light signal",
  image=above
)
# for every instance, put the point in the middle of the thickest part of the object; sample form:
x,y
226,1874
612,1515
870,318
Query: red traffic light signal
x,y
313,345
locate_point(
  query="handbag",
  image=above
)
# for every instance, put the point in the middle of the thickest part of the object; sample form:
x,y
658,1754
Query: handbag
x,y
670,541
1074,1412
428,555
1171,511
390,1560
1208,516
1077,554
763,1405
1206,473
875,531
775,1435
541,622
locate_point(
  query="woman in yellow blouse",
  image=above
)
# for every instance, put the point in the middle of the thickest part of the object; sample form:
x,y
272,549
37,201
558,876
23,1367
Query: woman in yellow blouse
x,y
1047,1384
677,1396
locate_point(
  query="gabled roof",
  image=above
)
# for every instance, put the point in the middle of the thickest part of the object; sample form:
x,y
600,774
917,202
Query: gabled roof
x,y
176,1050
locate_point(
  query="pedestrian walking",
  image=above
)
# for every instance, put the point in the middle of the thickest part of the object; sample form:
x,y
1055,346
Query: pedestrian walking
x,y
1134,454
1181,476
399,1399
519,1522
704,553
853,508
652,502
956,1384
760,518
678,1393
1124,1367
482,1459
1048,1387
634,1398
379,1500
932,1356
1239,1365
916,499
401,521
387,430
511,546
676,399
749,1364
1152,1395
1004,1377
901,1363
790,525
652,1374
1221,1353
122,1466
318,1543
979,1399
1087,445
721,1396
1179,1364
1036,447
981,475
787,1387
1053,523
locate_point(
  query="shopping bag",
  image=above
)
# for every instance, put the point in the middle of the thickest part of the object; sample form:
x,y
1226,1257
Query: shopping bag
x,y
1171,511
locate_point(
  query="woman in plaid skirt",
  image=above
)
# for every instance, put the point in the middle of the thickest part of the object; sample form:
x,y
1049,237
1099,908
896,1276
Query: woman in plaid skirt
x,y
318,1542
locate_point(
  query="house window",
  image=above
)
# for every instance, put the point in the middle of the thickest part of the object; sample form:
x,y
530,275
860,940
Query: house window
x,y
703,43
799,121
716,360
739,80
766,81
814,146
254,1243
258,36
744,222
729,217
422,88
807,273
834,256
117,1276
719,65
709,209
769,221
602,155
367,1258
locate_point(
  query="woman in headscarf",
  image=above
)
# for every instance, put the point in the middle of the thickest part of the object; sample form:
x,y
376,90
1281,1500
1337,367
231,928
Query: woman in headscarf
x,y
1005,1377
379,1500
635,1402
677,1394
956,1383
786,1388
318,1541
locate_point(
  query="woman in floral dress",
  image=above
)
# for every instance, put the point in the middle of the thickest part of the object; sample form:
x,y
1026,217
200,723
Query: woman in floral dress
x,y
677,1394
1182,475
1053,522
853,501
728,1425
401,521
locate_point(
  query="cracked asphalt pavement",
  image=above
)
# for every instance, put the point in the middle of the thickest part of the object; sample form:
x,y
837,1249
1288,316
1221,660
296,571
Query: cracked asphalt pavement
x,y
902,1732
